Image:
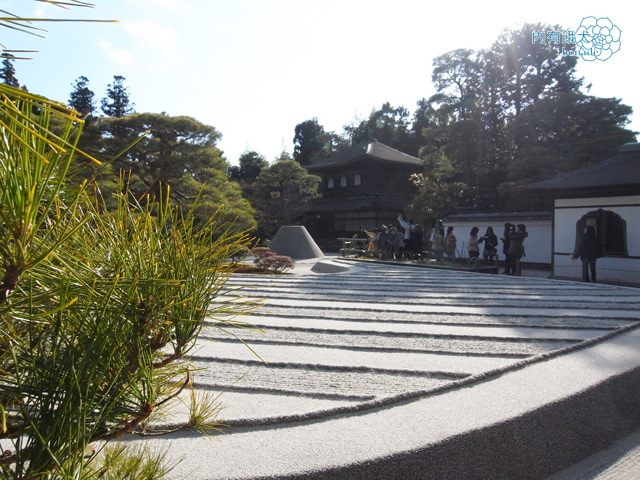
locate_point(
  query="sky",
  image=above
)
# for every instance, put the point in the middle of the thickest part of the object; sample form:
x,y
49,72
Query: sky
x,y
254,69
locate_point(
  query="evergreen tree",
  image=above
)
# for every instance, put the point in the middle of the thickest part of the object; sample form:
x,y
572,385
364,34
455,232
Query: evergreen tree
x,y
388,125
8,71
565,132
98,309
117,103
82,98
514,114
308,142
311,143
530,72
281,193
250,165
176,151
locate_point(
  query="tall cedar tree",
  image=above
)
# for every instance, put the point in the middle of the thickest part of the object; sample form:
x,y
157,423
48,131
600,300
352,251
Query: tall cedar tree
x,y
117,103
8,71
82,98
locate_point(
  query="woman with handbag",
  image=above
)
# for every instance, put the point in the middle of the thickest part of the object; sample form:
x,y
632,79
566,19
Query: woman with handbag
x,y
490,245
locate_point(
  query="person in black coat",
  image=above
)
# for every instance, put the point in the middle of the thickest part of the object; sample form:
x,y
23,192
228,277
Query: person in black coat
x,y
490,245
508,228
589,250
516,248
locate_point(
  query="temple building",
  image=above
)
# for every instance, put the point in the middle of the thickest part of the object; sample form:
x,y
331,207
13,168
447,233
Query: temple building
x,y
366,185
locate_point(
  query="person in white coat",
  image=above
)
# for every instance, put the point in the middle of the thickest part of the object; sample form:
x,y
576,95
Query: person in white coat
x,y
408,229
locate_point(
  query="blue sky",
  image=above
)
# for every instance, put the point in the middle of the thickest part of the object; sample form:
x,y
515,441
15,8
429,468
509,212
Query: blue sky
x,y
255,68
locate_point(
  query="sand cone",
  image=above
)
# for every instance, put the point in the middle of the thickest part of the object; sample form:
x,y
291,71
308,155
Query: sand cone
x,y
294,241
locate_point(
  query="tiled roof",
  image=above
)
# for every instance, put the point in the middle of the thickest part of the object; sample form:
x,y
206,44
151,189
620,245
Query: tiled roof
x,y
373,149
620,171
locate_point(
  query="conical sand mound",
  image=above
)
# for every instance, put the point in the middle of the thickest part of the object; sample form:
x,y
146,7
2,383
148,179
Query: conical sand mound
x,y
294,241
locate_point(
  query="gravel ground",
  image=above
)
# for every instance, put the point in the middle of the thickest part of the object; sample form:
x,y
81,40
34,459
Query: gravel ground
x,y
341,345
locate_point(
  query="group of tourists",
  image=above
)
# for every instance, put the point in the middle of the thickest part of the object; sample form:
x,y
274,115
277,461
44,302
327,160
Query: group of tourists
x,y
512,245
405,240
442,244
401,241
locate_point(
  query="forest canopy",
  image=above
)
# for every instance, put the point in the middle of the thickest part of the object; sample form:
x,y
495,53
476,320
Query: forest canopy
x,y
513,113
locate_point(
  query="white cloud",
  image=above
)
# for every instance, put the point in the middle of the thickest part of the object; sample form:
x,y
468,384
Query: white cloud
x,y
144,40
118,55
150,35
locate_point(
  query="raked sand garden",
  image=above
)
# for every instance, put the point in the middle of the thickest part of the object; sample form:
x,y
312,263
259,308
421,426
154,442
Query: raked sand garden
x,y
365,370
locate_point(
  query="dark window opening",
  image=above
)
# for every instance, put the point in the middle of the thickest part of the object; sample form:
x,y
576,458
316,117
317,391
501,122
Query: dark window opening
x,y
611,230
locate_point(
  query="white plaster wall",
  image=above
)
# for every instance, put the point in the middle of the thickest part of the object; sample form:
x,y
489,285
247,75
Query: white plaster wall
x,y
537,245
569,211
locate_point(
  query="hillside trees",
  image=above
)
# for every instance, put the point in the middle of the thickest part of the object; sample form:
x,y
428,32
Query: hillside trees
x,y
515,113
566,131
176,151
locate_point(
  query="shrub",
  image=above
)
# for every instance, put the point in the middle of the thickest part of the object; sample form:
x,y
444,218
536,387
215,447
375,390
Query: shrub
x,y
276,263
98,310
261,252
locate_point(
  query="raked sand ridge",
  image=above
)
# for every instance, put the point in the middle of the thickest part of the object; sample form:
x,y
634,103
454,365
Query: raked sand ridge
x,y
383,371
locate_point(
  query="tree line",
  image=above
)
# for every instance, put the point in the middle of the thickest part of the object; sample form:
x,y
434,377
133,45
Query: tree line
x,y
153,150
510,114
507,115
149,151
